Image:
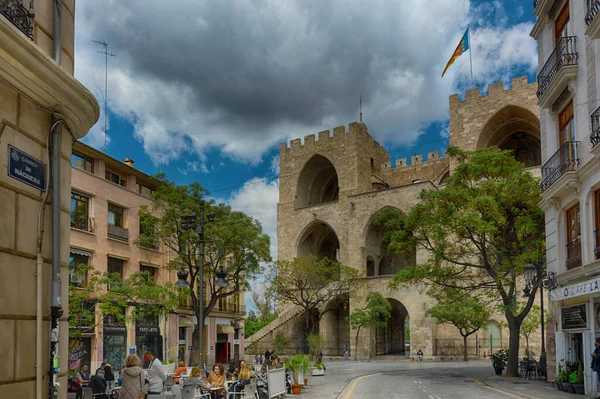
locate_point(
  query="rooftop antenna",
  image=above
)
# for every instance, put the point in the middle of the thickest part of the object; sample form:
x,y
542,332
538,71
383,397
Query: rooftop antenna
x,y
106,55
160,161
360,108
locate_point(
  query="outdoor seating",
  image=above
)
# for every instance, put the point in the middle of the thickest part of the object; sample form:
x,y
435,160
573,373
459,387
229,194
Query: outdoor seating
x,y
527,368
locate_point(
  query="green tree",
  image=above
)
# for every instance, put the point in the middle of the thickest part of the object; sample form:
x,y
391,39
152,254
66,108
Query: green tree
x,y
480,230
140,292
465,313
309,282
376,313
234,242
531,323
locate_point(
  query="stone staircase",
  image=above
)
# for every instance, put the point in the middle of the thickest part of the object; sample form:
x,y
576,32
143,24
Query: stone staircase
x,y
283,318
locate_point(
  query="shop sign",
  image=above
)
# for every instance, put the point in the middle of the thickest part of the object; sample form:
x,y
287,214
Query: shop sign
x,y
574,317
147,327
575,290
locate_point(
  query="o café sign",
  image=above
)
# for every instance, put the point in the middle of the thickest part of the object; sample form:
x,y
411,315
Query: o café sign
x,y
571,291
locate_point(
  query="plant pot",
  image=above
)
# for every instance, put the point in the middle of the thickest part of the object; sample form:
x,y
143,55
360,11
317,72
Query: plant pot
x,y
305,381
568,387
579,389
316,372
297,389
498,370
558,385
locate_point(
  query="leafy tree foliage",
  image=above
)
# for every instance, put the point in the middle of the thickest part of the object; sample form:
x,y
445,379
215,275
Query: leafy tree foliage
x,y
531,323
480,230
376,313
233,240
465,313
310,282
140,292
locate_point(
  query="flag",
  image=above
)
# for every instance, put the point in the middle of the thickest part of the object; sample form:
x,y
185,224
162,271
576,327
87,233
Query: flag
x,y
463,46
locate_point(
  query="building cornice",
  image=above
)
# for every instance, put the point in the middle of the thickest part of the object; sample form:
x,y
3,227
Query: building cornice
x,y
28,70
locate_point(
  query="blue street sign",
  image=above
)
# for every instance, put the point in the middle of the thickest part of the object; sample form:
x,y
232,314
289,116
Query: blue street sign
x,y
26,168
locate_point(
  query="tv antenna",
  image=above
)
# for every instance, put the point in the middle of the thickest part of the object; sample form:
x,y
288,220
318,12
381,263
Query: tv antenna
x,y
106,55
160,161
360,107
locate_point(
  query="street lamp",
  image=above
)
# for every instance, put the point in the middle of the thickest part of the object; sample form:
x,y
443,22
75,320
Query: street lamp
x,y
221,280
182,279
530,273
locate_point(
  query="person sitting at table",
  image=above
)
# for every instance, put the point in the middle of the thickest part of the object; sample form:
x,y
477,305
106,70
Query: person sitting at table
x,y
195,378
98,385
133,378
181,370
217,379
243,379
109,376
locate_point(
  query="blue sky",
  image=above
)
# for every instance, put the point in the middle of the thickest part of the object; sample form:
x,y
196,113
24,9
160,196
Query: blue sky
x,y
206,91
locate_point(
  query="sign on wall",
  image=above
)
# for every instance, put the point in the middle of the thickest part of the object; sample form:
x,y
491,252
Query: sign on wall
x,y
574,317
575,290
26,169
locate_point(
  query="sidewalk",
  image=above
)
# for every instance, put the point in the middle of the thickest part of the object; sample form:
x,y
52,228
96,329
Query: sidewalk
x,y
530,389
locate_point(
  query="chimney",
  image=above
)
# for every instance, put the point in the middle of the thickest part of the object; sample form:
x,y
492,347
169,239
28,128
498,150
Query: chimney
x,y
129,162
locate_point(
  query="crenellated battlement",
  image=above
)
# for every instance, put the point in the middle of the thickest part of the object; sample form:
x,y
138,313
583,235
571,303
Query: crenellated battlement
x,y
417,159
356,131
493,90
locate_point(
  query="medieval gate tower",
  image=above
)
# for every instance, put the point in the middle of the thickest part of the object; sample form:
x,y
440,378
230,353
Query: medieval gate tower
x,y
333,186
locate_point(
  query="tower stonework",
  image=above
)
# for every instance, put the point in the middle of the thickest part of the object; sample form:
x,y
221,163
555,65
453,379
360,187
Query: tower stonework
x,y
332,188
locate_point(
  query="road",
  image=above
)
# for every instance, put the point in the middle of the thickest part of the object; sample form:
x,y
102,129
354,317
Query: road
x,y
380,379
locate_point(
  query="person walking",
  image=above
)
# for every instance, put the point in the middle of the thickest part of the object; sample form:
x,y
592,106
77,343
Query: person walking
x,y
156,375
133,378
596,362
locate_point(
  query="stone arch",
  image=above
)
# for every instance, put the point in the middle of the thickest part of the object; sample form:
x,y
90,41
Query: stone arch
x,y
333,325
444,177
319,239
375,250
517,129
317,183
391,339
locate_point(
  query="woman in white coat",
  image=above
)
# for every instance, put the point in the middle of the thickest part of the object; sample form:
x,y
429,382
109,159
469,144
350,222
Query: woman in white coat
x,y
133,378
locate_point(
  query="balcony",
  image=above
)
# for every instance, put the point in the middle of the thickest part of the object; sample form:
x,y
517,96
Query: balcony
x,y
595,135
118,232
591,20
560,68
566,159
542,7
573,254
18,15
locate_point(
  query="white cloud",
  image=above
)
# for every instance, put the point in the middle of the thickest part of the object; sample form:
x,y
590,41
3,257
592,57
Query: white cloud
x,y
242,78
258,198
275,165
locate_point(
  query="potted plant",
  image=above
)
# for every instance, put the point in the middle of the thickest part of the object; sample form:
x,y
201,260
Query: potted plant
x,y
306,366
318,369
561,377
499,360
571,377
294,365
578,380
315,346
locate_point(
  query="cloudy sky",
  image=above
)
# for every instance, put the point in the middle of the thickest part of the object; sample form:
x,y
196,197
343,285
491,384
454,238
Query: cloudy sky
x,y
205,90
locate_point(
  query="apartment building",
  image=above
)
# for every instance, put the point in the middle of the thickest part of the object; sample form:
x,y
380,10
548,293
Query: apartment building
x,y
40,103
106,195
568,50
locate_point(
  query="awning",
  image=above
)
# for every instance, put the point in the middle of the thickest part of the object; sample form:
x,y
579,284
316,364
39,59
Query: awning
x,y
221,329
81,251
144,263
185,322
125,258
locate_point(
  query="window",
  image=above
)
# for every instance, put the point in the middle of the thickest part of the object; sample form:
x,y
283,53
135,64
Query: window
x,y
115,177
182,333
82,162
573,238
144,190
115,268
115,215
222,304
560,24
566,124
150,270
80,206
597,223
77,274
147,234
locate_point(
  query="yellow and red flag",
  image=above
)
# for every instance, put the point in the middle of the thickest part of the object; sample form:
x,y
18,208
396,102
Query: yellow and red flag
x,y
463,46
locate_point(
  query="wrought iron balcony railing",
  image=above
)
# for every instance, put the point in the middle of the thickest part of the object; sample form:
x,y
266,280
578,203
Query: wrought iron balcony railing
x,y
595,135
574,254
19,15
118,232
565,53
535,3
593,7
566,159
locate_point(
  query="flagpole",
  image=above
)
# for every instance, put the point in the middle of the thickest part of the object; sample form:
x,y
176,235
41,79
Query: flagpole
x,y
470,57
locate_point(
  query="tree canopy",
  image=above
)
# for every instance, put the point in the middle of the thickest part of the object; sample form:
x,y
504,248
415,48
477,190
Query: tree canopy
x,y
376,313
310,282
480,229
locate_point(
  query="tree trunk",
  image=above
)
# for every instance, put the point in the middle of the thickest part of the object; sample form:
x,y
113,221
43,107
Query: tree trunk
x,y
512,366
356,344
527,344
465,350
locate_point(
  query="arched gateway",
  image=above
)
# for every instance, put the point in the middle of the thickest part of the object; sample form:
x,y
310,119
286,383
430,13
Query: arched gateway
x,y
394,338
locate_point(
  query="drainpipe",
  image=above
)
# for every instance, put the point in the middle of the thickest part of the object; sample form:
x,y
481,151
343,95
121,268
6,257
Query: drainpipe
x,y
56,310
